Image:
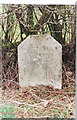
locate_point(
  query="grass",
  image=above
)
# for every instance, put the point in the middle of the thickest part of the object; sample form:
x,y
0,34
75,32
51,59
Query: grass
x,y
7,111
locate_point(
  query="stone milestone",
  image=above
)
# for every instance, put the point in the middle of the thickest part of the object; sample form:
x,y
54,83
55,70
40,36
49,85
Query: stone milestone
x,y
40,61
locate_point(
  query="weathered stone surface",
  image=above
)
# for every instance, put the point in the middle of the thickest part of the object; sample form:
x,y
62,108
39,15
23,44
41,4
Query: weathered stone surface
x,y
40,61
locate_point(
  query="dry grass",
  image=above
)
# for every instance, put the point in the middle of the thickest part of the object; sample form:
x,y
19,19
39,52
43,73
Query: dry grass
x,y
41,101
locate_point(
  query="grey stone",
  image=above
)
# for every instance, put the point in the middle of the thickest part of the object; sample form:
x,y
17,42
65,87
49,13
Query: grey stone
x,y
40,61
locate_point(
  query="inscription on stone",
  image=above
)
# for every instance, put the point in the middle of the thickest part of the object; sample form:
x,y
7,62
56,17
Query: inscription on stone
x,y
40,61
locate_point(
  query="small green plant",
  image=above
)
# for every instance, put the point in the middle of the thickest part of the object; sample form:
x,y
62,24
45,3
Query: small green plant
x,y
65,111
45,92
55,111
57,89
38,101
44,113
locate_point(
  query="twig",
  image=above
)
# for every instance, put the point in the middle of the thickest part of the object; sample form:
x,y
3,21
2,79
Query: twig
x,y
35,105
11,13
45,103
26,110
